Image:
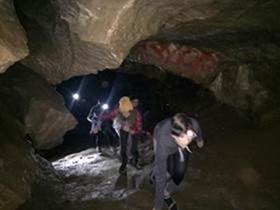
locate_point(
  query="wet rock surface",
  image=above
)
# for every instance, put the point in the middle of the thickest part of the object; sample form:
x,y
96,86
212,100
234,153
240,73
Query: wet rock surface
x,y
90,175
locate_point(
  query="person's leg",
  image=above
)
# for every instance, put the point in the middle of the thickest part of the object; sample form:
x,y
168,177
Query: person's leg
x,y
134,150
113,137
114,140
175,176
171,187
106,138
123,137
98,138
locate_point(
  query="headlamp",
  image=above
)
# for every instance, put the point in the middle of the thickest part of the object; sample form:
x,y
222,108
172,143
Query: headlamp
x,y
105,106
76,96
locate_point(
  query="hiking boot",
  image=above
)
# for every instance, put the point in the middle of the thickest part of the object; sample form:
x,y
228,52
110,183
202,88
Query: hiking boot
x,y
171,203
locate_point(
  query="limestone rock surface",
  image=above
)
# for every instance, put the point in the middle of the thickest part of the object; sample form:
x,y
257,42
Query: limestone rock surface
x,y
13,42
47,123
68,38
41,110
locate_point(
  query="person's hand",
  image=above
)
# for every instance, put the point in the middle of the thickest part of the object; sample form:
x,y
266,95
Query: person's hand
x,y
132,132
126,128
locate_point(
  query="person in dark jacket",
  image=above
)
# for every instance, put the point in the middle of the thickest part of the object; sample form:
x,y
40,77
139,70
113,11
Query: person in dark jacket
x,y
172,138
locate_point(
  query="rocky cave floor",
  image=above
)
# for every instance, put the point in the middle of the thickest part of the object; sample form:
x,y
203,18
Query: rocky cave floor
x,y
238,170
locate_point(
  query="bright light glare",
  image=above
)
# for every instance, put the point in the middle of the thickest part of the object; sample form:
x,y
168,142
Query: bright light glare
x,y
105,106
76,96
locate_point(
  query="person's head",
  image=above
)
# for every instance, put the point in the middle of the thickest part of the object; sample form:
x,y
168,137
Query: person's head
x,y
125,106
181,130
135,102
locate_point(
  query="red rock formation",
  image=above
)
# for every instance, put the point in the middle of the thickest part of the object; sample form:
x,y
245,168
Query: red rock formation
x,y
184,60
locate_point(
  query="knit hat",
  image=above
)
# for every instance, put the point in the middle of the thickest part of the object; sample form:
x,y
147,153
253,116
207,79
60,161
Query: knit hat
x,y
125,104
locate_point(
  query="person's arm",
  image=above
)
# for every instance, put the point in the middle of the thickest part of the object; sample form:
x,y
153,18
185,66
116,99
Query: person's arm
x,y
90,114
89,119
199,138
160,175
109,115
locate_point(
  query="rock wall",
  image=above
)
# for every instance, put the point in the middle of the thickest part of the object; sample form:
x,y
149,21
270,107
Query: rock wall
x,y
68,38
239,66
42,111
17,169
238,87
183,60
28,105
13,42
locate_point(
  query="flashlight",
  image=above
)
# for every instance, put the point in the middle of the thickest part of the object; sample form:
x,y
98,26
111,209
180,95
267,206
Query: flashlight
x,y
105,106
76,96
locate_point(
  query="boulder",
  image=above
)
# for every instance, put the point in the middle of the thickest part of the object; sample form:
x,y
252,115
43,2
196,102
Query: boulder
x,y
13,42
28,104
47,123
42,109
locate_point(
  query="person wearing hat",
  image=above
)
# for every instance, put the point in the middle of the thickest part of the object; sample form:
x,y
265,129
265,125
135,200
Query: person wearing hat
x,y
172,138
129,120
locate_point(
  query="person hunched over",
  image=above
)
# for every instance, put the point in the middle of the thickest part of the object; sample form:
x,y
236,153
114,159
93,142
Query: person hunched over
x,y
130,123
172,138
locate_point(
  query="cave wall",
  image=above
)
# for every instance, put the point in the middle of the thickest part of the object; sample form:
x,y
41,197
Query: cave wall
x,y
17,169
69,38
29,105
42,109
13,41
195,39
231,47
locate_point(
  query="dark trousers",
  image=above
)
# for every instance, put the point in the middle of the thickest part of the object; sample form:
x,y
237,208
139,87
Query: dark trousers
x,y
97,138
176,168
123,138
110,136
106,137
134,147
